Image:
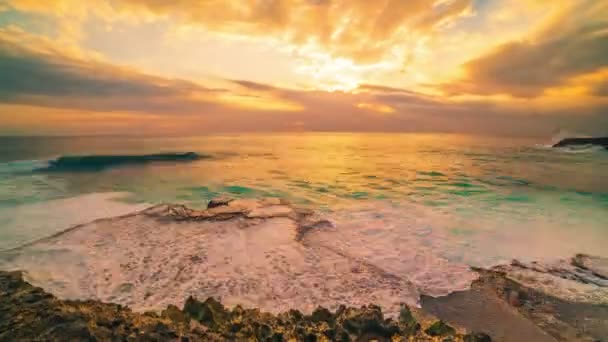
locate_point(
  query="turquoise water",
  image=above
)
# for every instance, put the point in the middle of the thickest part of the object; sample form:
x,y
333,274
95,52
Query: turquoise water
x,y
486,199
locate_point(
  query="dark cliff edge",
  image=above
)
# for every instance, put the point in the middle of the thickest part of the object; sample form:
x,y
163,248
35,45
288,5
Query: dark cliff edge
x,y
28,313
602,141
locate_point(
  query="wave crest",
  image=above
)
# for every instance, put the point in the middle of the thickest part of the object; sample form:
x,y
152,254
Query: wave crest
x,y
101,162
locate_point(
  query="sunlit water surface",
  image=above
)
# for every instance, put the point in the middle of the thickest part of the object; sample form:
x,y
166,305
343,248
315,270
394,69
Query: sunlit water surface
x,y
468,200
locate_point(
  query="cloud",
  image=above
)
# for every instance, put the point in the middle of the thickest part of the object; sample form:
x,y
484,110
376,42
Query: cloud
x,y
254,85
362,30
64,89
600,89
42,73
572,44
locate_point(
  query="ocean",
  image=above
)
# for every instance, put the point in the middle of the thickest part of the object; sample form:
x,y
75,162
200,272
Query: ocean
x,y
410,203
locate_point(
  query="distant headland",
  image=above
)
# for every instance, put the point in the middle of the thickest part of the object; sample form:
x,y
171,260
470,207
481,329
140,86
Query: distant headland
x,y
600,141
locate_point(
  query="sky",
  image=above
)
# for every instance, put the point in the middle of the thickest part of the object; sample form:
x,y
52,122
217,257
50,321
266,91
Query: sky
x,y
188,67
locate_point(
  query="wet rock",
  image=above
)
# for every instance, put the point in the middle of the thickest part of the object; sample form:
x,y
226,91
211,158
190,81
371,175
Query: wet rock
x,y
249,212
218,202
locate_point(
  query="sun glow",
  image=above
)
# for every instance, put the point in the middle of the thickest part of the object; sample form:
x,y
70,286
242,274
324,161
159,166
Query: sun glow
x,y
338,74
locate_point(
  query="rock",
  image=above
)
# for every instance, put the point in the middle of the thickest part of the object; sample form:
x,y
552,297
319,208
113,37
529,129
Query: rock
x,y
321,314
368,321
603,141
477,337
514,298
218,202
596,265
174,314
407,321
210,312
28,313
440,328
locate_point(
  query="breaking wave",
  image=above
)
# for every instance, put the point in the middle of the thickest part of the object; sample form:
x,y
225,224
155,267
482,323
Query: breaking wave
x,y
101,162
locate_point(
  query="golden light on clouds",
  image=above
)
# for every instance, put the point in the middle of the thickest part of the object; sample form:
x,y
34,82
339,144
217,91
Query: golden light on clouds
x,y
376,107
256,102
236,64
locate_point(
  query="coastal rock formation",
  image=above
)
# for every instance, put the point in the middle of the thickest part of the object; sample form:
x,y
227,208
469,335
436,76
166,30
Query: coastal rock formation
x,y
566,300
223,209
29,313
603,141
266,259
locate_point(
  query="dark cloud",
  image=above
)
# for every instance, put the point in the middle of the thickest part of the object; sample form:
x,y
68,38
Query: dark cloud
x,y
574,44
38,76
27,74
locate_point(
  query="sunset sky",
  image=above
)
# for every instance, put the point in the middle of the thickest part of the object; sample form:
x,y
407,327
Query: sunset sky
x,y
510,67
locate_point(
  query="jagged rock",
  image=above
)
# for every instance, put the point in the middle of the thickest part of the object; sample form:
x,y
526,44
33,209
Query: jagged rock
x,y
440,328
597,266
321,314
477,337
580,279
28,313
407,321
210,312
174,314
368,321
218,202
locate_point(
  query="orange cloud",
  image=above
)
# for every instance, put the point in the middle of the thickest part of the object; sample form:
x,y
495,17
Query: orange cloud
x,y
361,30
376,107
44,73
343,45
573,44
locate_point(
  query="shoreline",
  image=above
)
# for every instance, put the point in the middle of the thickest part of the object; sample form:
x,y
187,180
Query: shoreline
x,y
508,302
496,308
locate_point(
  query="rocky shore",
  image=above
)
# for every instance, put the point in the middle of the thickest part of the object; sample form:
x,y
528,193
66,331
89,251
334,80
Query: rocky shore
x,y
561,301
153,275
28,313
498,307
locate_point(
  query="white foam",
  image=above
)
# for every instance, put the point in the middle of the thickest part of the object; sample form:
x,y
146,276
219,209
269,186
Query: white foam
x,y
146,263
24,223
